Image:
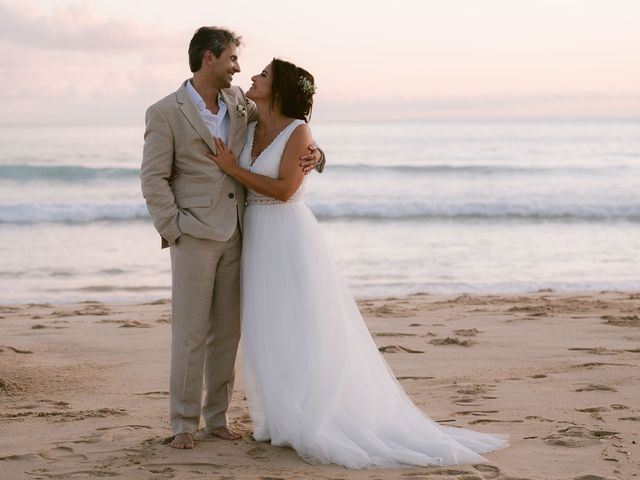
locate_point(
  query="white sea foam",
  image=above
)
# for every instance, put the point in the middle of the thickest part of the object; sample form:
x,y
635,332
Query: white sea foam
x,y
79,213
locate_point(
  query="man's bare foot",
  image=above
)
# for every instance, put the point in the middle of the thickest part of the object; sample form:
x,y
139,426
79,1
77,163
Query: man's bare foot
x,y
182,440
225,433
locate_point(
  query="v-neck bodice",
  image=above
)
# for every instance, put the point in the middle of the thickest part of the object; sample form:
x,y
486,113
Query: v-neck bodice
x,y
268,162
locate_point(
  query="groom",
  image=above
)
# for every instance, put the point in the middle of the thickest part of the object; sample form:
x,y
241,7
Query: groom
x,y
197,209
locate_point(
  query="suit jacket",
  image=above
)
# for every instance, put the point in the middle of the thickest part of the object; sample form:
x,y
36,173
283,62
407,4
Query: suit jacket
x,y
185,191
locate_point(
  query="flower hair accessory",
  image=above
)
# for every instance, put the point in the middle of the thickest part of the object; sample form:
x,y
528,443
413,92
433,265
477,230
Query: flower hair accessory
x,y
306,85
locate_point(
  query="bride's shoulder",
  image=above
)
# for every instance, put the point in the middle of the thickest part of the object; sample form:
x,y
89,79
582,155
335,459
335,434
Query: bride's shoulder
x,y
299,134
300,128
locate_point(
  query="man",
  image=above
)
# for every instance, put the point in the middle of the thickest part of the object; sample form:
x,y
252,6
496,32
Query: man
x,y
197,209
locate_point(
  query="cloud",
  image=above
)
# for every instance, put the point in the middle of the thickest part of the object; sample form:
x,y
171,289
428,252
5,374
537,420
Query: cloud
x,y
68,28
71,66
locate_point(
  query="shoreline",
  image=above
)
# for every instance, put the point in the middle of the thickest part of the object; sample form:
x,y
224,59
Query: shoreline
x,y
83,388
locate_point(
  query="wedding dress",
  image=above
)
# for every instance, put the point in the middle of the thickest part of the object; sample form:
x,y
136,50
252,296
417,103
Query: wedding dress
x,y
315,380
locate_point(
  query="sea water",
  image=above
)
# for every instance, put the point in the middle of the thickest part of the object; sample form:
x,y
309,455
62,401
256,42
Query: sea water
x,y
407,207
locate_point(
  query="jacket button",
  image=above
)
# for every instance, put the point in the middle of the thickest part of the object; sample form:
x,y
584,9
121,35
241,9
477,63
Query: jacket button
x,y
231,195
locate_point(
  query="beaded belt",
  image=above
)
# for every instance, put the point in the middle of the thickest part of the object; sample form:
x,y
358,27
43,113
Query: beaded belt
x,y
269,201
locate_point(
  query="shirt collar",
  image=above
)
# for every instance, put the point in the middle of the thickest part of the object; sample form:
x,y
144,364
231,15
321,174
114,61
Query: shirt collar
x,y
199,102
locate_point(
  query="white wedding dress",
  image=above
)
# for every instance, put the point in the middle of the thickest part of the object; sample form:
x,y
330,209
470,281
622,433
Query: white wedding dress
x,y
315,380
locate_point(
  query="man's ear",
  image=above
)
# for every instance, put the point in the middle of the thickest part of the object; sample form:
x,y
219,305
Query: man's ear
x,y
209,57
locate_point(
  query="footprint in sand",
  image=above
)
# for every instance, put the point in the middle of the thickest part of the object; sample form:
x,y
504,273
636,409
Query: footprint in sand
x,y
166,472
591,477
467,332
62,453
576,437
4,309
602,364
9,348
596,387
492,420
126,323
394,334
258,453
164,301
386,310
92,438
9,386
397,349
43,472
476,413
475,389
414,378
623,321
97,310
135,324
131,428
19,458
40,326
466,402
560,441
452,341
159,394
437,472
594,411
489,472
597,350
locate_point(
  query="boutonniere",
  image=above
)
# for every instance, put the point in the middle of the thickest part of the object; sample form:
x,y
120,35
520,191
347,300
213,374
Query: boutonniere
x,y
241,111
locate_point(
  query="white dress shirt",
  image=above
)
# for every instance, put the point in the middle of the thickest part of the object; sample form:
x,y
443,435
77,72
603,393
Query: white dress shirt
x,y
217,124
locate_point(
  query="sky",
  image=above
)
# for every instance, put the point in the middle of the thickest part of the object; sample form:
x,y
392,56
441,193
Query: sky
x,y
105,61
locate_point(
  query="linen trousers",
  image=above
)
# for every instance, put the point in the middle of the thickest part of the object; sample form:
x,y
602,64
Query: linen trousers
x,y
205,330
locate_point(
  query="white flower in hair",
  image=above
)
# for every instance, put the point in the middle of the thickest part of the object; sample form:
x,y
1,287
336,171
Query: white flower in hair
x,y
306,85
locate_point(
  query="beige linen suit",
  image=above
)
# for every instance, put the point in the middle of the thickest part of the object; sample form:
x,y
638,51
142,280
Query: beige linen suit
x,y
197,209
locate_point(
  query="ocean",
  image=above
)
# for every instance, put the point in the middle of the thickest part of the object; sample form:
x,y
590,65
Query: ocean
x,y
437,207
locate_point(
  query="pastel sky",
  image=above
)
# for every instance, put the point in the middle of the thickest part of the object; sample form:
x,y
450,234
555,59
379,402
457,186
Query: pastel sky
x,y
105,61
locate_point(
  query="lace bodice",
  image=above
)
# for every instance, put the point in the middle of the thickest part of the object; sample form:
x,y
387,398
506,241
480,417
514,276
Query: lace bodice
x,y
268,162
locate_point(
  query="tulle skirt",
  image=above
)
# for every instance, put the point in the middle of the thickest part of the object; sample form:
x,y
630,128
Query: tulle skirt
x,y
315,380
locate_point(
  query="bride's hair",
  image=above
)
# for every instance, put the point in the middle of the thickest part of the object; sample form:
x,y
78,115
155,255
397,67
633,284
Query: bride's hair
x,y
293,88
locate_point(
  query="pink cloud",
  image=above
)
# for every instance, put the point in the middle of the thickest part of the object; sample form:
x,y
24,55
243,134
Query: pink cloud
x,y
68,28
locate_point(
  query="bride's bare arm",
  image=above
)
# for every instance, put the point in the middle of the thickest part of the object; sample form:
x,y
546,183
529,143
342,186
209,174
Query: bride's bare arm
x,y
290,176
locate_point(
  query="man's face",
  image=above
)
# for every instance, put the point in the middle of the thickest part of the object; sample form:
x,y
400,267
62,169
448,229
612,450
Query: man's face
x,y
224,67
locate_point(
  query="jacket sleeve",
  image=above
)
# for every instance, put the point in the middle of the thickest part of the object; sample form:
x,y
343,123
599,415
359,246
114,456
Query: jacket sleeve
x,y
155,174
323,159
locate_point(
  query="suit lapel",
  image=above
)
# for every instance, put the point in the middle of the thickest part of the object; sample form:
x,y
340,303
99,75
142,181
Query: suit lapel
x,y
231,104
192,115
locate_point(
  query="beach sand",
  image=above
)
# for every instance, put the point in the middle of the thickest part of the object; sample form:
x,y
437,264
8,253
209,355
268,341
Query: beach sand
x,y
83,389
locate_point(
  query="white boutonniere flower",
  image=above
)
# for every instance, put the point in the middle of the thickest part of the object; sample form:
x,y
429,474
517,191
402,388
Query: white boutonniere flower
x,y
241,111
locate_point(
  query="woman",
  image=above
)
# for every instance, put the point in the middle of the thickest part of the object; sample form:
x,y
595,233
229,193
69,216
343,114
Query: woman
x,y
315,379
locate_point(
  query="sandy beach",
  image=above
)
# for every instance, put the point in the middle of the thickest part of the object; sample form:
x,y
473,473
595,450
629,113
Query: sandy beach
x,y
83,389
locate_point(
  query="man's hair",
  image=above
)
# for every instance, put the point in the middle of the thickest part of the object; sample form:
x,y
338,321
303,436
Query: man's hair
x,y
216,39
295,100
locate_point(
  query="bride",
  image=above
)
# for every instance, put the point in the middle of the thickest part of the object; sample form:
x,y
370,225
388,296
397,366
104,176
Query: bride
x,y
315,379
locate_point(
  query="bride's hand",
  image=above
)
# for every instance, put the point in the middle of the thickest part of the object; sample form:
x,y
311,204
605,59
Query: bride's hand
x,y
225,159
